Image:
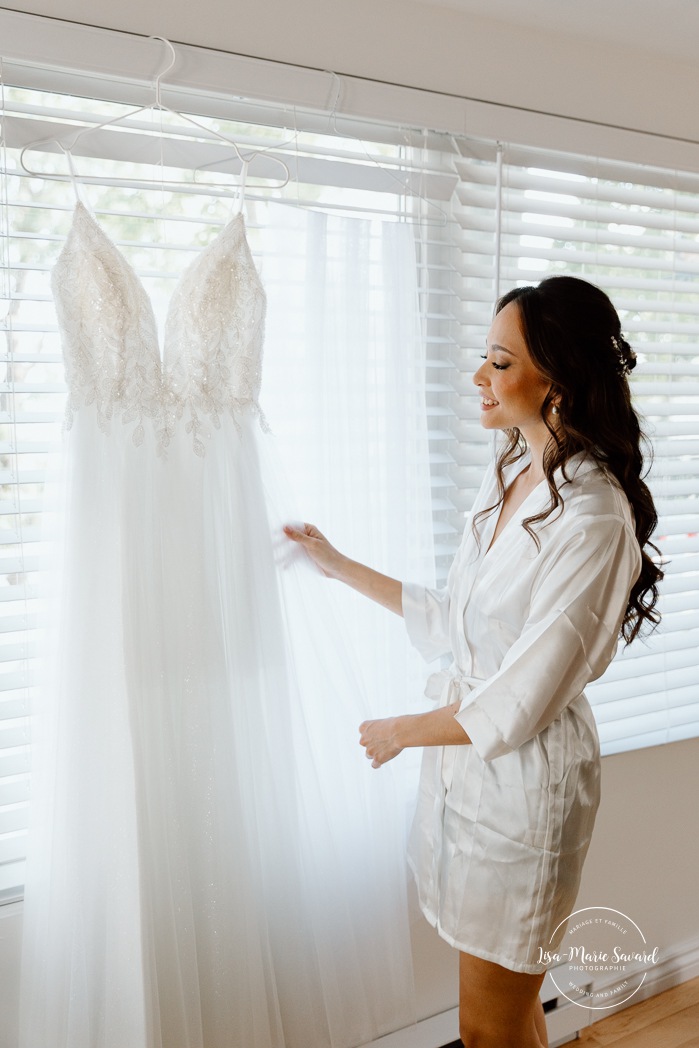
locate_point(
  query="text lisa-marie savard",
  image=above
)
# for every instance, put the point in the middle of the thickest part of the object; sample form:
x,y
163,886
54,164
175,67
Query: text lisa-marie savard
x,y
579,955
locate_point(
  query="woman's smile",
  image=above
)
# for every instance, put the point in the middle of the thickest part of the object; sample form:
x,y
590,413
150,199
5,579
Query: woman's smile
x,y
487,404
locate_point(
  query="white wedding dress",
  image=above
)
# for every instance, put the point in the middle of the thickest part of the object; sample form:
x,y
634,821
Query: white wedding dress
x,y
211,862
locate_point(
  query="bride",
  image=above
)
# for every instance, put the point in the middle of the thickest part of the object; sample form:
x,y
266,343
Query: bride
x,y
553,567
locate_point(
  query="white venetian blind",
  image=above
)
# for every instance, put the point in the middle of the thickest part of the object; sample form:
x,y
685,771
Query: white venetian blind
x,y
634,231
455,462
373,173
485,219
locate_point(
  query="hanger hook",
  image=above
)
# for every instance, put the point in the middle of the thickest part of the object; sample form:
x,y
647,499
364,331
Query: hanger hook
x,y
168,67
337,83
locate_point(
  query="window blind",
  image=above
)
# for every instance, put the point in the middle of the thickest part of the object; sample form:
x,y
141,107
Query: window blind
x,y
131,171
526,214
484,217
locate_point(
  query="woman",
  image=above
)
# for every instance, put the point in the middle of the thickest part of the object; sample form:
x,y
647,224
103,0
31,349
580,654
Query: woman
x,y
551,568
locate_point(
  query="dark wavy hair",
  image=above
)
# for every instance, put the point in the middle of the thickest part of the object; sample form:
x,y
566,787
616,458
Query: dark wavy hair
x,y
574,337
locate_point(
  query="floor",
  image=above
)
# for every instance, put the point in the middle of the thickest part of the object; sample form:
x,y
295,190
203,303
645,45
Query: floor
x,y
668,1020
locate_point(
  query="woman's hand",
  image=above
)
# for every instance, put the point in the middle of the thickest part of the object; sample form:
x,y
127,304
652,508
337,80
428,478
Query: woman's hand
x,y
325,556
379,739
335,565
385,739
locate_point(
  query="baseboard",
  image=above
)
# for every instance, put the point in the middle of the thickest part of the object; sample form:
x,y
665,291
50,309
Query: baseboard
x,y
562,1020
675,966
435,1032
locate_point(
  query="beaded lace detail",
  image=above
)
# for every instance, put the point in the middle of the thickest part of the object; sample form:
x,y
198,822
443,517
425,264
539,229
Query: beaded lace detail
x,y
212,359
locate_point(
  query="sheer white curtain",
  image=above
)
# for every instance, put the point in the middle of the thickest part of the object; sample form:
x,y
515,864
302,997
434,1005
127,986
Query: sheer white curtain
x,y
325,916
344,390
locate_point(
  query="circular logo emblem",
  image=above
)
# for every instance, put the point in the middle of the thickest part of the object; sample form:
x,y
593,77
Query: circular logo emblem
x,y
602,960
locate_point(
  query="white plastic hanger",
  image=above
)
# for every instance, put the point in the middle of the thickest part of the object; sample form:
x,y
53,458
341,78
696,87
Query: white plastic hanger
x,y
68,147
337,82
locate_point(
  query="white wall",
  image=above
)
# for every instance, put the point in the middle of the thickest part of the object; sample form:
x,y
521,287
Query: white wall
x,y
423,45
644,856
10,932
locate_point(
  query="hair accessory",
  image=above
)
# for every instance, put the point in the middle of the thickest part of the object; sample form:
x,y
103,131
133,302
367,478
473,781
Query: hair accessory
x,y
625,356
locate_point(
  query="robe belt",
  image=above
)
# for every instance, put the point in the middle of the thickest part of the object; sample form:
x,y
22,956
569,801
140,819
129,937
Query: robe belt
x,y
450,685
446,687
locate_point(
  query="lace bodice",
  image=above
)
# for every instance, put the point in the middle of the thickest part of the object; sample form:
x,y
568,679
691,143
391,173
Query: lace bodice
x,y
212,353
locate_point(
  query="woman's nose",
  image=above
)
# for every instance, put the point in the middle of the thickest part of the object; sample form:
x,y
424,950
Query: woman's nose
x,y
478,377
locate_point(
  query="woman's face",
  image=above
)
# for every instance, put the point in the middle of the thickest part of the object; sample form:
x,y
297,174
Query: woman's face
x,y
511,387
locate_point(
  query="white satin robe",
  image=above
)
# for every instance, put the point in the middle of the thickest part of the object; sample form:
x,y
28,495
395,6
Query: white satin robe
x,y
502,826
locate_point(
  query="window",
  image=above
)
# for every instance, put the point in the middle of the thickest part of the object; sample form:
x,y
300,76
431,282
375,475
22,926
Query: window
x,y
355,227
633,230
479,217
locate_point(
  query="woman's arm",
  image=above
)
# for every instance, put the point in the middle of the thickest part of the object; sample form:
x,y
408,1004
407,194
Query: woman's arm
x,y
385,739
380,588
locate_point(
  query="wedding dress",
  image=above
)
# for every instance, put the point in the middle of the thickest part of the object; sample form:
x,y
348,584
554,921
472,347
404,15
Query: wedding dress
x,y
210,865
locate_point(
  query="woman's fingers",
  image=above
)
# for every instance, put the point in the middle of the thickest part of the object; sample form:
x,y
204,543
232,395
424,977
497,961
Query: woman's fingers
x,y
377,738
306,534
316,546
297,532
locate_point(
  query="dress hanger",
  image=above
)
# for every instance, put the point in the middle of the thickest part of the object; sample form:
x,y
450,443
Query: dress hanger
x,y
68,147
338,85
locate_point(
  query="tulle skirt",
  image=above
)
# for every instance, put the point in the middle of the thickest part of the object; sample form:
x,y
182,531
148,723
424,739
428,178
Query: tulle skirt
x,y
212,862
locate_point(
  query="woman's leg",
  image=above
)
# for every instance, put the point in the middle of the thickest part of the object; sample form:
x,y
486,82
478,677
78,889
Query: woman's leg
x,y
540,1023
499,1008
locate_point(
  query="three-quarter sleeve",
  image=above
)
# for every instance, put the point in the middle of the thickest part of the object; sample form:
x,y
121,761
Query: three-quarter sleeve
x,y
569,638
426,614
427,611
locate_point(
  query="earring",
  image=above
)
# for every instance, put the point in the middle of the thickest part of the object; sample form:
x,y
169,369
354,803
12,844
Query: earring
x,y
554,409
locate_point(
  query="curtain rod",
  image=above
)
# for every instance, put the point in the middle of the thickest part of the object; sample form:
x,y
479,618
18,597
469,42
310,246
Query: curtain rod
x,y
436,92
406,104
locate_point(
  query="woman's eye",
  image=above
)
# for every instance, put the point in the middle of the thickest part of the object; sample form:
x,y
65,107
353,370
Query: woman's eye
x,y
498,367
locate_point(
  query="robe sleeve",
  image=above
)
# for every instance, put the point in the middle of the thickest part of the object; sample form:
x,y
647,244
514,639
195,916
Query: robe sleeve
x,y
426,614
569,638
425,610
